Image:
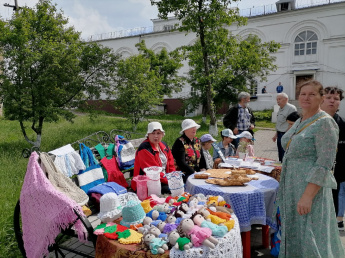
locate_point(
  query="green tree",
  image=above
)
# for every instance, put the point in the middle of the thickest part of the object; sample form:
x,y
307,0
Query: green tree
x,y
47,68
166,66
144,80
220,63
207,19
237,65
137,88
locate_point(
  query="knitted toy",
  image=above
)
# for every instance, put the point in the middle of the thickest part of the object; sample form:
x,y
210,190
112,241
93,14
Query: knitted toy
x,y
199,236
184,207
156,215
171,201
166,227
162,208
157,233
218,231
230,223
156,245
182,243
146,206
149,221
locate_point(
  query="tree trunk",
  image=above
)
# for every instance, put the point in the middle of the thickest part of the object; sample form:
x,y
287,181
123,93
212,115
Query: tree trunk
x,y
209,92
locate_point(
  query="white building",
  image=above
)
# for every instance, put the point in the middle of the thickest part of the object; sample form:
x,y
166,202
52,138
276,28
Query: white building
x,y
312,42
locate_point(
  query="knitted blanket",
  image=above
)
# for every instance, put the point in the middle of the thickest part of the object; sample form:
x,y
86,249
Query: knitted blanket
x,y
45,211
61,182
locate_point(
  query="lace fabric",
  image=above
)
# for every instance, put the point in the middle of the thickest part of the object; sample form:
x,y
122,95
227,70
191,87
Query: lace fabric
x,y
229,245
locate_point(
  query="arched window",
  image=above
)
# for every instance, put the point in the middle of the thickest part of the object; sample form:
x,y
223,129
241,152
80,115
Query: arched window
x,y
306,43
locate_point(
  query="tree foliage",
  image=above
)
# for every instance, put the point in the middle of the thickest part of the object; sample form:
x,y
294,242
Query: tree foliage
x,y
210,58
47,68
166,66
144,79
239,64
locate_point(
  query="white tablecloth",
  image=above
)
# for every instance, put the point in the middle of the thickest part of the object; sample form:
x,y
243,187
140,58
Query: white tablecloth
x,y
229,246
252,203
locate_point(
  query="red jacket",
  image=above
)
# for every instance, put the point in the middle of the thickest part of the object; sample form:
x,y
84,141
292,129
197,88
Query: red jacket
x,y
148,156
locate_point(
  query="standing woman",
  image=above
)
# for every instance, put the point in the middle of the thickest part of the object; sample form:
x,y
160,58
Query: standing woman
x,y
187,150
309,227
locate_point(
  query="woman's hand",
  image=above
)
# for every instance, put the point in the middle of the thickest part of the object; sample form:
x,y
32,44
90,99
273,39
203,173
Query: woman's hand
x,y
304,205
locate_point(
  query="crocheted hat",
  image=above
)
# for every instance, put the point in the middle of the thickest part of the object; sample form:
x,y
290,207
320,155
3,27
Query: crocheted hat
x,y
132,214
110,208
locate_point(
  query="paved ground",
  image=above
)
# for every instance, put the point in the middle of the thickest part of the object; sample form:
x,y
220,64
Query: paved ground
x,y
263,147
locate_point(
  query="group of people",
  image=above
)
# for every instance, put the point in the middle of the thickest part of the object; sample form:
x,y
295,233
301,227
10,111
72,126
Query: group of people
x,y
279,89
188,154
308,145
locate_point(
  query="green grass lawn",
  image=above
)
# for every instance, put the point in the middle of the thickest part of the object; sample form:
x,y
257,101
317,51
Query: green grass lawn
x,y
13,165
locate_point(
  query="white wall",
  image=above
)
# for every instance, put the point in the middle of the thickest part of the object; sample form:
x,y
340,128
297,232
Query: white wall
x,y
327,66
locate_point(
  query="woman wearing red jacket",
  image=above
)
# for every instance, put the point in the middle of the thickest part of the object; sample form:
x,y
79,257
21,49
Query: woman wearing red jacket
x,y
154,152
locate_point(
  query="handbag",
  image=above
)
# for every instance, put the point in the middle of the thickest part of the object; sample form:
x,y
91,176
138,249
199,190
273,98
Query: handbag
x,y
93,174
125,153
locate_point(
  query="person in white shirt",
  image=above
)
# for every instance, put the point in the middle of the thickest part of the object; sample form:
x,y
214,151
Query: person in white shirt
x,y
282,125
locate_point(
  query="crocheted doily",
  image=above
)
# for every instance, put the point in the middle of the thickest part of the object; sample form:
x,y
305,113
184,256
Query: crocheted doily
x,y
229,246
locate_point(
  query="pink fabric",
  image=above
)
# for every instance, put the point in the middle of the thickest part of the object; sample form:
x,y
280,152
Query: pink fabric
x,y
45,211
198,235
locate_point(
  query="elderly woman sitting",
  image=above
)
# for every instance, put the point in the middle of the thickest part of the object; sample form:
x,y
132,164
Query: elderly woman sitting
x,y
154,152
187,150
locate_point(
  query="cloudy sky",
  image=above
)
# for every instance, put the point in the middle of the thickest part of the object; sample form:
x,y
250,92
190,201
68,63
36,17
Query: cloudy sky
x,y
93,17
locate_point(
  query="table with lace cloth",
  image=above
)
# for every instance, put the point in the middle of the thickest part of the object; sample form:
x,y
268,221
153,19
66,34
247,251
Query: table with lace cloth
x,y
252,203
229,246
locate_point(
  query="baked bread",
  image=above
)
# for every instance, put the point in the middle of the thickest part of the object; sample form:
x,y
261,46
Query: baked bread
x,y
200,176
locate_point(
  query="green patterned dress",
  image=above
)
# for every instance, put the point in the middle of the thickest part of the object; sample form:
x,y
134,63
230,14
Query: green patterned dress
x,y
309,159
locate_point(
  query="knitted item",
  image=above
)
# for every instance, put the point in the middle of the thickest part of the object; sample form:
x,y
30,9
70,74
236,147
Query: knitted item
x,y
146,206
45,211
108,187
229,224
86,210
198,235
132,214
110,208
124,234
114,173
62,183
215,219
114,235
155,244
67,160
169,227
182,241
218,231
220,214
134,238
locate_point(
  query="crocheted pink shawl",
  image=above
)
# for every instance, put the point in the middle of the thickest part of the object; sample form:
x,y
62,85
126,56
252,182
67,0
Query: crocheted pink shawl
x,y
45,211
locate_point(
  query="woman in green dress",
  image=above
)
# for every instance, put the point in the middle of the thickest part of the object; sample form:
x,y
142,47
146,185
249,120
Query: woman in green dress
x,y
309,227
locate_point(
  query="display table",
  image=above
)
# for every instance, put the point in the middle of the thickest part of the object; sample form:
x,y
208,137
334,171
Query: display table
x,y
252,203
229,246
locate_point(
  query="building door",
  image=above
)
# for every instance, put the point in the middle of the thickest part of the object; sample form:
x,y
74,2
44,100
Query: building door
x,y
300,79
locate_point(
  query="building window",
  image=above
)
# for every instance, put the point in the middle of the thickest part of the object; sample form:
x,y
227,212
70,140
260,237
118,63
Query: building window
x,y
306,43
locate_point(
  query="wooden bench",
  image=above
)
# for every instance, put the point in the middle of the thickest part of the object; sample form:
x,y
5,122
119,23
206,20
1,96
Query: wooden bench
x,y
91,221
